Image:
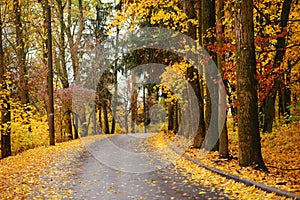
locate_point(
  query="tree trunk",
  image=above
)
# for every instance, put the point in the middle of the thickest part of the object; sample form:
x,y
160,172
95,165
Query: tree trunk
x,y
105,118
195,82
113,126
94,120
285,96
170,116
278,82
50,106
100,118
145,109
75,124
133,102
84,123
21,55
74,42
248,132
208,21
176,117
5,111
223,139
67,105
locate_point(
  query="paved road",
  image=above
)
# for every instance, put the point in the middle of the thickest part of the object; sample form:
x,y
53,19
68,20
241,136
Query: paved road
x,y
117,169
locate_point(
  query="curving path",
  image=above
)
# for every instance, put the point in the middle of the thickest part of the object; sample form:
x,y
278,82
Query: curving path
x,y
122,168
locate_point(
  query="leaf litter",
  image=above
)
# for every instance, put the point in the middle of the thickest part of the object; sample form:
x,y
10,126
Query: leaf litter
x,y
40,173
280,151
50,172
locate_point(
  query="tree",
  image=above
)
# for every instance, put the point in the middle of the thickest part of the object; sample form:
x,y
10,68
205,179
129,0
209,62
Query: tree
x,y
195,81
62,69
50,78
269,108
21,55
248,132
223,139
208,21
5,114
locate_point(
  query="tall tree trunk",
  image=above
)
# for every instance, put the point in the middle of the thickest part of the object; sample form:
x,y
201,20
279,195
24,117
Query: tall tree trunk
x,y
50,106
21,55
67,105
223,139
208,21
278,82
5,129
195,82
248,132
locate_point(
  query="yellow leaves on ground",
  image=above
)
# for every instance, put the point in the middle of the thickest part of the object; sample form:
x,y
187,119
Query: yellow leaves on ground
x,y
24,176
280,149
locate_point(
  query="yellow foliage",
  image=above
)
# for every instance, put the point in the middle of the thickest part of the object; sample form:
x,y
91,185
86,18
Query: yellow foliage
x,y
160,13
29,129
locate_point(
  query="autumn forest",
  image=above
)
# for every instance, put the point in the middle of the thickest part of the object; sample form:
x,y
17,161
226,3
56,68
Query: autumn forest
x,y
73,72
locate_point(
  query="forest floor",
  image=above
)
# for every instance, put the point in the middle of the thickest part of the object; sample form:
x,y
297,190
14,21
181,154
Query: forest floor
x,y
280,151
41,173
51,171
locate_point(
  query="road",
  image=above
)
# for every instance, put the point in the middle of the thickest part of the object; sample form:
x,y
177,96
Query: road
x,y
122,168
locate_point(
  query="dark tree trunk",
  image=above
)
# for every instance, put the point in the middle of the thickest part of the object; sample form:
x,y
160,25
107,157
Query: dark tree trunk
x,y
248,132
144,109
75,123
105,118
278,82
223,139
208,22
5,111
170,116
113,126
195,82
21,55
269,113
176,116
223,142
285,96
50,106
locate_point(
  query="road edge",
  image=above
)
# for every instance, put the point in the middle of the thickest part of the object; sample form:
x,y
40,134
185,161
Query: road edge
x,y
247,182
